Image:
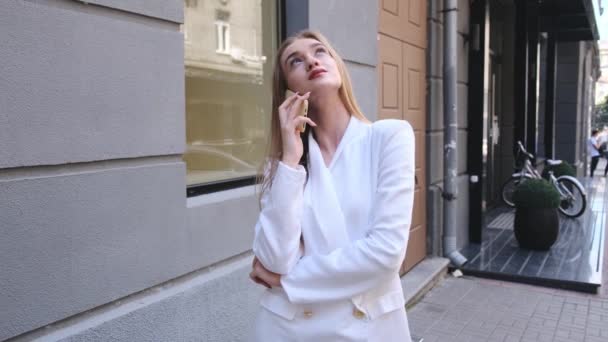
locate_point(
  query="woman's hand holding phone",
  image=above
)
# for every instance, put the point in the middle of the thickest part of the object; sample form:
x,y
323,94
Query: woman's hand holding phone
x,y
291,127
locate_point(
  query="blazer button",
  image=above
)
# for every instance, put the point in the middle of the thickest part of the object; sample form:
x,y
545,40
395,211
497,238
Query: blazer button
x,y
307,313
358,313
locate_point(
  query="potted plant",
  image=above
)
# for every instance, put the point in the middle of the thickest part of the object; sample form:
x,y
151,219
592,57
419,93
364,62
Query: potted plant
x,y
562,169
536,223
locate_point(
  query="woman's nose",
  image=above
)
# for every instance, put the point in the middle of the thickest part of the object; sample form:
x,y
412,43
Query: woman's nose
x,y
311,62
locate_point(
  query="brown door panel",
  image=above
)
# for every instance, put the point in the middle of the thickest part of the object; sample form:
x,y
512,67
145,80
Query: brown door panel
x,y
390,68
416,248
419,212
420,179
404,20
415,31
402,95
419,135
414,86
393,18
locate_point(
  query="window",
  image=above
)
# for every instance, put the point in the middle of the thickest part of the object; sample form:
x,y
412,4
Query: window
x,y
228,89
222,30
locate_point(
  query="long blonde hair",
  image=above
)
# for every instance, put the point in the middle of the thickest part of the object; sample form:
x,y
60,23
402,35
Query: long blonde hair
x,y
274,149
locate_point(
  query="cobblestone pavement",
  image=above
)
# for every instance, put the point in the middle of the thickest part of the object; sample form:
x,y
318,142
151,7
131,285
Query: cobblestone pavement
x,y
473,309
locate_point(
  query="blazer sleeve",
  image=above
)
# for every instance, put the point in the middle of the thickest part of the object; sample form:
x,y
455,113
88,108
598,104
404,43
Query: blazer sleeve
x,y
277,242
366,263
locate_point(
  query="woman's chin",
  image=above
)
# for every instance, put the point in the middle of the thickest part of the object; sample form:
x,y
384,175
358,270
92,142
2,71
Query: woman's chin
x,y
324,89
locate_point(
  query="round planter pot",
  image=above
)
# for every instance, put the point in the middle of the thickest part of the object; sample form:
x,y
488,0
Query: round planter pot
x,y
536,228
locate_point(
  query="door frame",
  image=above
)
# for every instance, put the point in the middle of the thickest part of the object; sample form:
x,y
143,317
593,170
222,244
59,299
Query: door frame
x,y
479,52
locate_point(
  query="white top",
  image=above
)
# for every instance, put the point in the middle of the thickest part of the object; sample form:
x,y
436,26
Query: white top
x,y
341,234
591,150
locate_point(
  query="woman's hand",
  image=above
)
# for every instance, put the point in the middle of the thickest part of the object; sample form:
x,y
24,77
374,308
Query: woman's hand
x,y
290,134
262,276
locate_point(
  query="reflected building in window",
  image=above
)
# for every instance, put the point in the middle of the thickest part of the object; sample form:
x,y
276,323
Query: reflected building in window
x,y
228,91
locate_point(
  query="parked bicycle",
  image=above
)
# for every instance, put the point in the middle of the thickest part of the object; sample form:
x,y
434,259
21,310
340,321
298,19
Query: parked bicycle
x,y
572,193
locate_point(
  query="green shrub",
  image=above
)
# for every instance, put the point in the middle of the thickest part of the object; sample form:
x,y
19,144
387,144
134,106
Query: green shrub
x,y
562,169
536,193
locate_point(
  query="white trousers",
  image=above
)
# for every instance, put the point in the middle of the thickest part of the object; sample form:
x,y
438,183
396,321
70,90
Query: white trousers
x,y
331,322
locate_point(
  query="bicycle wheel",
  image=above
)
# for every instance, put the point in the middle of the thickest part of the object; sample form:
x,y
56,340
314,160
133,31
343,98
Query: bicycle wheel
x,y
509,188
573,201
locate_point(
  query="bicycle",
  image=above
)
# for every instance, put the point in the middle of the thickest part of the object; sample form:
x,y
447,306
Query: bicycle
x,y
572,193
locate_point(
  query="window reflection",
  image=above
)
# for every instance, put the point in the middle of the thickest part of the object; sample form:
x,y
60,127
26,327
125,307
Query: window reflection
x,y
228,93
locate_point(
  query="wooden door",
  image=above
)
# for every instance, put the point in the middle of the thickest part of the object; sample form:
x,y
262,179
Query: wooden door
x,y
402,95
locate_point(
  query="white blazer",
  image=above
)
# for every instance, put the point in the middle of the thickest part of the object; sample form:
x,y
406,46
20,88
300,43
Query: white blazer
x,y
342,233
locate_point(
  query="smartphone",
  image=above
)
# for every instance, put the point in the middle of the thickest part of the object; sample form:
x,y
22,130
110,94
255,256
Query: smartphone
x,y
303,110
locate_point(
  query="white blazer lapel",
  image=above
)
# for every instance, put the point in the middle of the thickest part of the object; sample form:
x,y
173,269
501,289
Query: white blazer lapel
x,y
324,227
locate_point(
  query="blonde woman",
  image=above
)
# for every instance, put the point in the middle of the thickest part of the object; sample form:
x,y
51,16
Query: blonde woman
x,y
336,206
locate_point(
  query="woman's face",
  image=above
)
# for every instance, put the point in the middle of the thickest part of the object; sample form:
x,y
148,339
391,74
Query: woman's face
x,y
308,66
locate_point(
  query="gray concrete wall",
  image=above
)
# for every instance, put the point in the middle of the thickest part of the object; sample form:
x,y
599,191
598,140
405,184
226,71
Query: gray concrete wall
x,y
92,126
575,86
91,178
434,240
99,240
216,304
334,19
434,133
568,109
68,97
170,10
75,238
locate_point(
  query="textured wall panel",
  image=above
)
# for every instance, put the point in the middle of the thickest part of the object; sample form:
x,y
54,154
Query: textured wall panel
x,y
171,10
81,86
350,26
76,240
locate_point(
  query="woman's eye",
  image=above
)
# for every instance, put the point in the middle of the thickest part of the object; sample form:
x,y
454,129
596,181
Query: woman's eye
x,y
295,61
320,50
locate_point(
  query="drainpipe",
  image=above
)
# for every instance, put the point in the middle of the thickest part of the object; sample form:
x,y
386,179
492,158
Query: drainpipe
x,y
450,161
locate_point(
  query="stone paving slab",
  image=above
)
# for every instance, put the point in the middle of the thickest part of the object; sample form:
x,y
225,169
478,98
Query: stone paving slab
x,y
475,309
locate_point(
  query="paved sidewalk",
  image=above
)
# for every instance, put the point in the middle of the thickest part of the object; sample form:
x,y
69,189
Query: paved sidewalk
x,y
482,310
474,309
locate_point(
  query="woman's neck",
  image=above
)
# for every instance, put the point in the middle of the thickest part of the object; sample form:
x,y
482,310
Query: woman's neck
x,y
332,119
